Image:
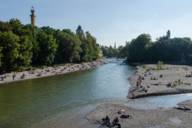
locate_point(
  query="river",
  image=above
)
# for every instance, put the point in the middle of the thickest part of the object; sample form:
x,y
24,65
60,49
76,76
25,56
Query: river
x,y
29,103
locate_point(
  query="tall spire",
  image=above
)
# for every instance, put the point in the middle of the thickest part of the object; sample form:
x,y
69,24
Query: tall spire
x,y
168,34
32,16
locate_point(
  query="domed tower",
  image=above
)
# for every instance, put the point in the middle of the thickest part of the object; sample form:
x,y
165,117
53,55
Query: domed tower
x,y
33,16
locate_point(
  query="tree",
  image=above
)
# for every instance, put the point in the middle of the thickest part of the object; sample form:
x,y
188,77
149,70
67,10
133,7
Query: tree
x,y
25,51
49,30
123,51
25,45
5,26
84,45
9,43
93,50
16,26
166,49
46,49
110,51
80,33
69,47
137,50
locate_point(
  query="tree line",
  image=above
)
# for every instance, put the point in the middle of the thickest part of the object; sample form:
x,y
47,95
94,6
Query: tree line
x,y
24,46
169,50
114,52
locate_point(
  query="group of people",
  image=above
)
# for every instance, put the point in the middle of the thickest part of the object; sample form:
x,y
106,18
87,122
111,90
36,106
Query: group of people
x,y
107,122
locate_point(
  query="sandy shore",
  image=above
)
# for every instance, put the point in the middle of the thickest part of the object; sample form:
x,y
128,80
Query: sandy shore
x,y
48,71
150,80
91,116
158,118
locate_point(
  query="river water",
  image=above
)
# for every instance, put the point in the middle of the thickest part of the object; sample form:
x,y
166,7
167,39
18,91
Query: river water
x,y
23,104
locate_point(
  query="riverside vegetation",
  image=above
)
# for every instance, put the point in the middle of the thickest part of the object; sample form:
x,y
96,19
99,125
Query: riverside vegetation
x,y
25,46
143,50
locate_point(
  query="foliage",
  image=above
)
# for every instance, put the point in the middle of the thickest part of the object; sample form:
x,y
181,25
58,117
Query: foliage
x,y
90,49
113,51
46,48
109,51
25,51
69,47
166,49
9,43
139,48
24,46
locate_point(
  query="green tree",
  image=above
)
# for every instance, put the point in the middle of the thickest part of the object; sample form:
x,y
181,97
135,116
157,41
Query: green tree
x,y
123,51
166,49
5,26
84,46
69,47
47,48
16,26
9,43
25,51
80,33
138,48
25,45
93,49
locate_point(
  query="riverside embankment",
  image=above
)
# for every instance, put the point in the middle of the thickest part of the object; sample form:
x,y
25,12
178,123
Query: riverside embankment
x,y
49,71
140,118
155,80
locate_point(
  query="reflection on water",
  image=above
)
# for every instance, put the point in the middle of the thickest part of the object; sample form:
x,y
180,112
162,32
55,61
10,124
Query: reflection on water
x,y
29,102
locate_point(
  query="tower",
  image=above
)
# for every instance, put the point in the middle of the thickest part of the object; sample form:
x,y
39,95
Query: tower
x,y
168,34
32,16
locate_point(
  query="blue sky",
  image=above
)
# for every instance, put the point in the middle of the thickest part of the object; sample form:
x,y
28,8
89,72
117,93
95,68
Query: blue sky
x,y
108,20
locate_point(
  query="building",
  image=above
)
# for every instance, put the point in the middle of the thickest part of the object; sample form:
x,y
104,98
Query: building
x,y
32,16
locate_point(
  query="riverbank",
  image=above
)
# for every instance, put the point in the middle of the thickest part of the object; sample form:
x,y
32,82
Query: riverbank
x,y
154,80
136,118
90,116
48,71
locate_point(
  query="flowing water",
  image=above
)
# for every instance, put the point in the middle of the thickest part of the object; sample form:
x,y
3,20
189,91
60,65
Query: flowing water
x,y
23,104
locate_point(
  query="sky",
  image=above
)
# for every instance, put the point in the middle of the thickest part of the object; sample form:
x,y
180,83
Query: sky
x,y
110,21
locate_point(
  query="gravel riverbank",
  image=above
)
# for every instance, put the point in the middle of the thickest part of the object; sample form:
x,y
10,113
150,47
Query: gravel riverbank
x,y
158,118
153,80
48,71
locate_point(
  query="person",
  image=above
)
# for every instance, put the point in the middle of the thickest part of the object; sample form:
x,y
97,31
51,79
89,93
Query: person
x,y
14,75
106,121
118,125
126,116
115,122
139,81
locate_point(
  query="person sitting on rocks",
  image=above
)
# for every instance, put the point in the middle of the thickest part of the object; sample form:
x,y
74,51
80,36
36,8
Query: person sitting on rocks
x,y
23,76
126,116
139,81
115,122
137,84
106,121
169,85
